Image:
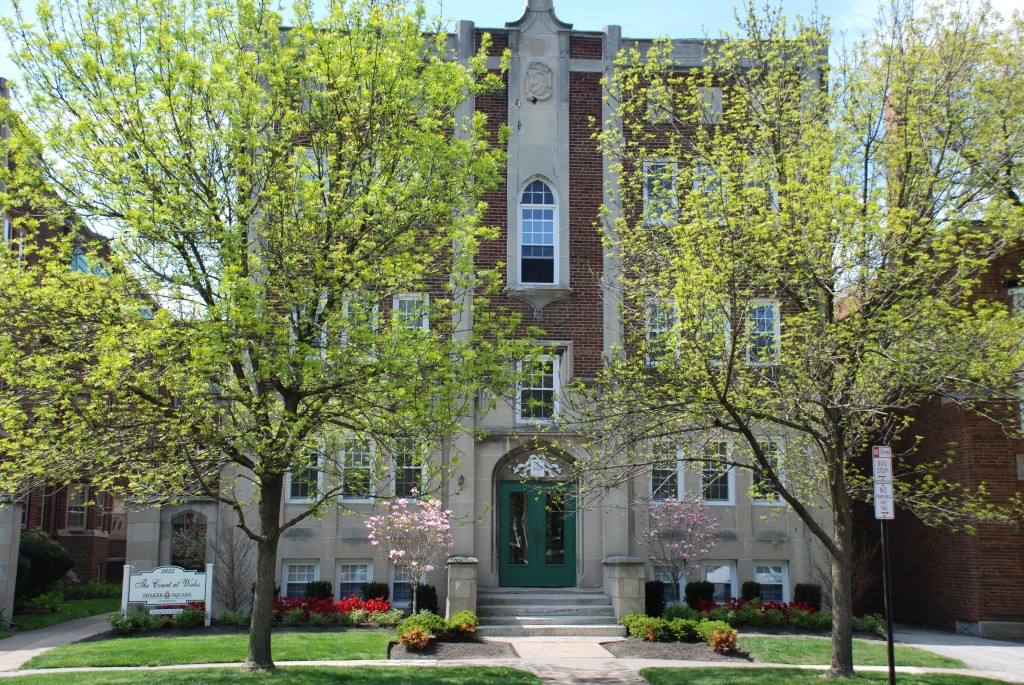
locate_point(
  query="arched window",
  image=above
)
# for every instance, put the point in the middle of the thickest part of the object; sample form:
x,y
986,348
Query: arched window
x,y
188,540
538,230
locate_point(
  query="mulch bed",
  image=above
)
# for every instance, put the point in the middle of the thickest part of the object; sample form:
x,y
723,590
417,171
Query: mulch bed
x,y
455,649
635,648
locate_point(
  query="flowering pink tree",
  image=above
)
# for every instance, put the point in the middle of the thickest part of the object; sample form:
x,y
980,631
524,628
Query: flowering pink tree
x,y
680,534
416,535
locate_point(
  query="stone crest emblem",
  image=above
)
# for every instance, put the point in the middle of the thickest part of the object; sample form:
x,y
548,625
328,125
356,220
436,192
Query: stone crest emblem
x,y
537,466
540,82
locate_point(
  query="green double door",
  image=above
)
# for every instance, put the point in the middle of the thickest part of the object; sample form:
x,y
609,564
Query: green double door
x,y
536,534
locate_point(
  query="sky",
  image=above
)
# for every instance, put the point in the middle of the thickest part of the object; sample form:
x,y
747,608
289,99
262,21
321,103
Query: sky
x,y
638,19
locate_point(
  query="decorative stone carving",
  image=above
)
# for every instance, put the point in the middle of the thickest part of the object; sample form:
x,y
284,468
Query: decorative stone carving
x,y
540,82
536,47
537,466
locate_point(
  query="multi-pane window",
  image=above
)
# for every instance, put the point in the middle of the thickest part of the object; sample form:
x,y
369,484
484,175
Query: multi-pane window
x,y
309,327
659,190
660,318
1017,303
78,495
763,489
356,462
708,184
8,228
715,473
297,573
763,326
537,397
538,232
772,577
79,262
408,465
360,318
351,576
401,587
304,481
412,311
664,574
665,473
710,101
721,574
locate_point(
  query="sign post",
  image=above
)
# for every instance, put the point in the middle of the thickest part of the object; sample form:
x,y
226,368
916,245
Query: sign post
x,y
885,509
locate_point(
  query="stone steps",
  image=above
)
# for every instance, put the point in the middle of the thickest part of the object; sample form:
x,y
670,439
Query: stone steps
x,y
543,612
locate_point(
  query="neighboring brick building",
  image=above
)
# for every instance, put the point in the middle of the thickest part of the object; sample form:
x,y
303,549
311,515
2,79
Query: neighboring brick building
x,y
956,581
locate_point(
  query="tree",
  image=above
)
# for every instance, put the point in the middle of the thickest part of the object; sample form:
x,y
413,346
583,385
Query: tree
x,y
292,294
233,580
415,534
680,534
800,250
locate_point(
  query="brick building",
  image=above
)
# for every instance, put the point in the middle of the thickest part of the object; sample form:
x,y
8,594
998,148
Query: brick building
x,y
548,209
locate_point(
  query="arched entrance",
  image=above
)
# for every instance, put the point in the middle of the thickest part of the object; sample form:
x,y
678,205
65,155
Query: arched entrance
x,y
536,523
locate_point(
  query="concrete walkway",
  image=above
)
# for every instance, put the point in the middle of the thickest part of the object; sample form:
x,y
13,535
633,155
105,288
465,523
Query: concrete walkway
x,y
562,661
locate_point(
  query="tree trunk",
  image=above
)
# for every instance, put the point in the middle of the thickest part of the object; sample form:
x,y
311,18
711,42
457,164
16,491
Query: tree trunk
x,y
842,595
259,657
415,587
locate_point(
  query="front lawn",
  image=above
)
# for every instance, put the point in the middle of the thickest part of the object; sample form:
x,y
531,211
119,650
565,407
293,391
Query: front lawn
x,y
818,650
72,609
789,676
299,675
211,649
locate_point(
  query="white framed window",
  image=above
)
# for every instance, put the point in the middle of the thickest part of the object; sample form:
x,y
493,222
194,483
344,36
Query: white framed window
x,y
352,573
708,184
710,102
309,326
538,234
295,573
660,199
303,483
716,477
721,574
673,594
774,579
660,320
763,332
715,334
8,228
401,586
412,311
360,317
659,104
77,512
537,396
356,464
762,489
666,472
407,462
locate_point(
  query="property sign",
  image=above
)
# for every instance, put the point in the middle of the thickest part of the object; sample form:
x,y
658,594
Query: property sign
x,y
881,469
169,588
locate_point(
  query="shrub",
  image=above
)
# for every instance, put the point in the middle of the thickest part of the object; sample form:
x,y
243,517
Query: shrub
x,y
233,618
751,589
721,612
462,624
132,620
697,591
191,617
774,617
91,590
387,619
426,598
674,611
875,623
684,629
823,620
801,618
430,625
415,638
357,617
751,613
808,593
319,589
720,636
376,591
292,617
48,601
647,627
46,560
654,598
320,620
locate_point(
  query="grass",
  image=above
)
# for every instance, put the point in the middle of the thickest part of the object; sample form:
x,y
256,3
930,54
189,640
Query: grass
x,y
789,676
300,675
210,649
73,609
818,650
4,633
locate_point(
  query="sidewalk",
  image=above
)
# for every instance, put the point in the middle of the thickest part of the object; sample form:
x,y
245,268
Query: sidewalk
x,y
567,660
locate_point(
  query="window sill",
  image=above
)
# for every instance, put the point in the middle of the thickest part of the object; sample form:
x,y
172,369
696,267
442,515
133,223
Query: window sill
x,y
538,295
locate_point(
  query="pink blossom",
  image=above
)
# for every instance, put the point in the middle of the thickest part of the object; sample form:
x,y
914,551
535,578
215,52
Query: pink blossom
x,y
681,533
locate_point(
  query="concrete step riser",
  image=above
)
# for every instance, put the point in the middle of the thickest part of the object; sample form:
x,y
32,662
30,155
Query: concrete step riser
x,y
552,631
549,621
599,600
510,610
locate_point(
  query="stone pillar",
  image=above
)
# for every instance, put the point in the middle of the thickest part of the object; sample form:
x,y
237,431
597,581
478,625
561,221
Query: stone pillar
x,y
624,583
10,541
461,585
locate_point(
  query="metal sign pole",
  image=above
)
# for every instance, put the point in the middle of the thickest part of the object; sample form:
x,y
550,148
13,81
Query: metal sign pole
x,y
885,511
887,592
